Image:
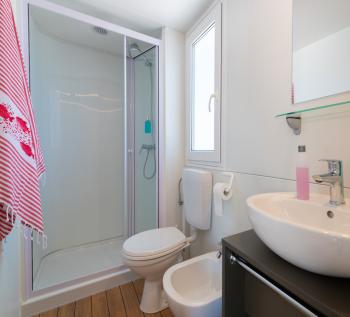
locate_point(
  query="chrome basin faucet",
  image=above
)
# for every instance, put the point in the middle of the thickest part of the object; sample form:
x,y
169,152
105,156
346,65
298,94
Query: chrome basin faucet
x,y
334,178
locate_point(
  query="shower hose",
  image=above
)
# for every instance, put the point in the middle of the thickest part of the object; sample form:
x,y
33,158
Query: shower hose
x,y
146,161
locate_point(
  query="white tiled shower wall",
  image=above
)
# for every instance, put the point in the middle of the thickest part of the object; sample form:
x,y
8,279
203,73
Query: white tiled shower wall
x,y
76,139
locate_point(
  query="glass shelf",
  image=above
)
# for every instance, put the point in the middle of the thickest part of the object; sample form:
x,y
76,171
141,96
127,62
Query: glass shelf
x,y
300,111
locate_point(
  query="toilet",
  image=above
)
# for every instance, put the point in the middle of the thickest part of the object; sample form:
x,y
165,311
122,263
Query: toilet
x,y
193,287
151,253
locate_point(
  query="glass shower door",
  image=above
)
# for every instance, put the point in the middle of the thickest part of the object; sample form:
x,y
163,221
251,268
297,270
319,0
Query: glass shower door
x,y
77,89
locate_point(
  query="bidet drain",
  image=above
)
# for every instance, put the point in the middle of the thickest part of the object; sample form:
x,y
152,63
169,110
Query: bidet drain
x,y
330,214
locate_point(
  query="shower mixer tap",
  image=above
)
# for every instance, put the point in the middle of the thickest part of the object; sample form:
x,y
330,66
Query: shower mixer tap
x,y
147,147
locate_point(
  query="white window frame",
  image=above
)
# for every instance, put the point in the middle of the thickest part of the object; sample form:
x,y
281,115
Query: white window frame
x,y
204,157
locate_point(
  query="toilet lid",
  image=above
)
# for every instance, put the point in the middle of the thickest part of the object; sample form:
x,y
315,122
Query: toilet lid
x,y
153,242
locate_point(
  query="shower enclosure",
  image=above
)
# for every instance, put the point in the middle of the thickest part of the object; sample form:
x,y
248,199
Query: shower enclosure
x,y
95,96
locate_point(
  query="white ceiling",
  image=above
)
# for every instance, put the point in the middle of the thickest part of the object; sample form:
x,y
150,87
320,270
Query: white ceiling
x,y
146,16
316,19
78,33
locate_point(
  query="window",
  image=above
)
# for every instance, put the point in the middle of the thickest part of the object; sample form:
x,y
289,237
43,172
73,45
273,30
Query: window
x,y
203,46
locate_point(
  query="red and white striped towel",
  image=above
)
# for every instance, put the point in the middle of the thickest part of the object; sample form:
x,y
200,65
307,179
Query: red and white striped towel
x,y
21,159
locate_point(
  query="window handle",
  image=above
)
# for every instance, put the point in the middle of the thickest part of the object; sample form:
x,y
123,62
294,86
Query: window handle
x,y
212,96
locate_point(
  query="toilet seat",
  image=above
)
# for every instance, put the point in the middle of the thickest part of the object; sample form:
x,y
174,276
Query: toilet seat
x,y
136,262
153,244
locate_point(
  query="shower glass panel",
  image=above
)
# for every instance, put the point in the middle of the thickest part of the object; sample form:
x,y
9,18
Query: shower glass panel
x,y
77,89
143,92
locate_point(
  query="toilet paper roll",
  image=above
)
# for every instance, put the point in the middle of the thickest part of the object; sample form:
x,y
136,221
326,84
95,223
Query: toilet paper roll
x,y
219,196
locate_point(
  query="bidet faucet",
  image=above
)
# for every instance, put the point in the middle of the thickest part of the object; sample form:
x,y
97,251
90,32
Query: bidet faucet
x,y
334,178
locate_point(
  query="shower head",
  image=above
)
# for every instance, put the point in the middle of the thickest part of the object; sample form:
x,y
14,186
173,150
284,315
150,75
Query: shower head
x,y
135,51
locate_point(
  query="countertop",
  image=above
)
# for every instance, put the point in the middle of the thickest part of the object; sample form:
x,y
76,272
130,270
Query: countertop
x,y
328,295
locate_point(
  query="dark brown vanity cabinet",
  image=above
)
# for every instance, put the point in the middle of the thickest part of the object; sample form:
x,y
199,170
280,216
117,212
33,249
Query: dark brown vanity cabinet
x,y
248,293
258,283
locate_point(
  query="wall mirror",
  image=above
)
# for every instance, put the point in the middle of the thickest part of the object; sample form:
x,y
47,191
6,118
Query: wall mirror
x,y
321,48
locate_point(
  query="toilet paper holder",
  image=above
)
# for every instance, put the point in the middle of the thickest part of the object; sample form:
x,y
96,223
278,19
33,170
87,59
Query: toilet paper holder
x,y
229,187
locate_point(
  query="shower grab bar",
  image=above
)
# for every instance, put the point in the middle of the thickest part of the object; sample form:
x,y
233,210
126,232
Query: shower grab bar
x,y
180,201
147,147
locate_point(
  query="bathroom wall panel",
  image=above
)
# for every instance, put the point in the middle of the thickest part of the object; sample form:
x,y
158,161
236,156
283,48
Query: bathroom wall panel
x,y
173,134
256,85
235,218
257,63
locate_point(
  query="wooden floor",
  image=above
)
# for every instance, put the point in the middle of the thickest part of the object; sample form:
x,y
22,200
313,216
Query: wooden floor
x,y
121,301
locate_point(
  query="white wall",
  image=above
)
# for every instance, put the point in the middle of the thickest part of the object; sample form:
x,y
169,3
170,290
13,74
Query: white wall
x,y
322,68
173,132
10,264
259,148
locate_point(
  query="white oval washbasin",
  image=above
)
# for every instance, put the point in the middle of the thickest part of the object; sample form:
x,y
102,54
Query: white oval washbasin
x,y
312,235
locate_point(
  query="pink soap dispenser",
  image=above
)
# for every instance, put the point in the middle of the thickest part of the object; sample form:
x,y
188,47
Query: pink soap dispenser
x,y
302,171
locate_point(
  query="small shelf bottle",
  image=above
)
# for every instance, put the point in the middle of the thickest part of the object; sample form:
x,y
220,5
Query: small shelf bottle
x,y
302,174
